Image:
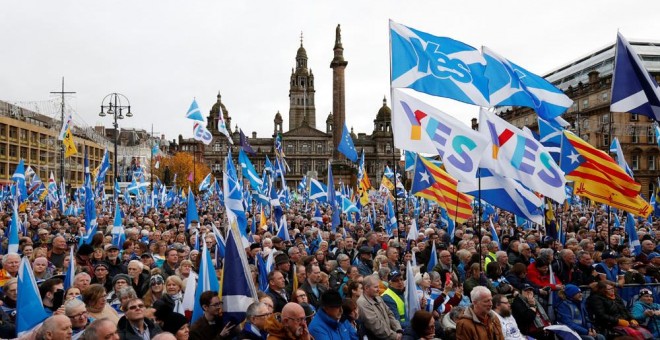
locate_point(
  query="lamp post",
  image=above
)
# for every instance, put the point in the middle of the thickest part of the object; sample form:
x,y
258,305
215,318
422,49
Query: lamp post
x,y
113,105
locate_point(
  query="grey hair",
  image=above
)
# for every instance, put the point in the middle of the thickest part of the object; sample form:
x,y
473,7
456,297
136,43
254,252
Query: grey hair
x,y
371,280
253,309
90,331
433,275
478,293
6,257
342,257
71,304
139,263
500,254
127,291
383,272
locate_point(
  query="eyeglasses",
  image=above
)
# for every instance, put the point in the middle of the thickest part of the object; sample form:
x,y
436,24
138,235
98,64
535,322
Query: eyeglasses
x,y
301,296
216,305
262,315
136,307
77,316
296,320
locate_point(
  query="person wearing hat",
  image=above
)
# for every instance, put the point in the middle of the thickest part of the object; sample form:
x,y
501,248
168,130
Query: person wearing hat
x,y
326,323
101,276
366,265
176,324
647,312
572,313
394,297
608,267
530,315
115,265
283,264
83,258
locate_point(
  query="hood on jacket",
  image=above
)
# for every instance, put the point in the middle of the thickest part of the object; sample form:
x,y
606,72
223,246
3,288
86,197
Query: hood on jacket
x,y
276,329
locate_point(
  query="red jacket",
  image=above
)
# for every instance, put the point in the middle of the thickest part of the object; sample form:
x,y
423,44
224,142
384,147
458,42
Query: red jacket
x,y
541,281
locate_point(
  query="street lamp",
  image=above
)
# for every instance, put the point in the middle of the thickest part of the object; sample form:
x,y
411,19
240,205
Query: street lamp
x,y
114,104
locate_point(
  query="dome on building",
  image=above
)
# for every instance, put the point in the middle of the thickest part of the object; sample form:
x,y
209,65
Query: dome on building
x,y
217,106
353,135
301,52
385,113
278,117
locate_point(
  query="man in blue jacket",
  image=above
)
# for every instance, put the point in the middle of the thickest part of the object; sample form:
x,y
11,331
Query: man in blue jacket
x,y
326,324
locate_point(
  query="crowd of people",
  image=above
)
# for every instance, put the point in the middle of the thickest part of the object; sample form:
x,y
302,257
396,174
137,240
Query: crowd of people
x,y
350,283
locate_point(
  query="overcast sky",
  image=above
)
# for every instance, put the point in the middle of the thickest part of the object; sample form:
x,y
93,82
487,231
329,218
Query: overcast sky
x,y
162,54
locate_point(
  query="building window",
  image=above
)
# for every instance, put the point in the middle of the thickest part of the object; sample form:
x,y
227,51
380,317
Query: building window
x,y
605,140
634,136
217,147
23,134
388,148
306,148
289,149
634,117
13,132
651,162
585,104
3,150
605,119
217,167
650,135
635,162
13,152
605,96
319,148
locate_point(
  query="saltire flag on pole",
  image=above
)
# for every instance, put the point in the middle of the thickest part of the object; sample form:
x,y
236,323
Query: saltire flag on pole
x,y
69,144
233,196
346,145
207,280
12,246
103,168
238,290
118,234
438,66
598,177
550,136
634,90
194,112
249,171
191,209
420,127
91,224
30,310
493,232
432,183
283,230
71,271
222,126
411,300
317,191
616,149
517,155
510,84
206,183
19,179
633,239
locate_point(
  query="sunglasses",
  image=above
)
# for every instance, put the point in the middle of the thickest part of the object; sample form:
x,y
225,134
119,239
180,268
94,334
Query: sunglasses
x,y
136,307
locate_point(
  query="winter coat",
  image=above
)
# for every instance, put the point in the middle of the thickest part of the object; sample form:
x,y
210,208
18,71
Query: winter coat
x,y
277,331
278,300
652,323
379,322
469,327
574,315
324,327
605,312
126,331
540,281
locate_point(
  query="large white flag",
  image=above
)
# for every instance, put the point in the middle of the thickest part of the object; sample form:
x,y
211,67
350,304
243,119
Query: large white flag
x,y
516,154
420,127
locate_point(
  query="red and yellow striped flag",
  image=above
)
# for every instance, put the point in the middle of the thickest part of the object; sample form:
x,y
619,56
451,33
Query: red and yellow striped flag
x,y
444,191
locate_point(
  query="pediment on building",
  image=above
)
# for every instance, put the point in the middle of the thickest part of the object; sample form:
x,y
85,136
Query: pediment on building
x,y
306,131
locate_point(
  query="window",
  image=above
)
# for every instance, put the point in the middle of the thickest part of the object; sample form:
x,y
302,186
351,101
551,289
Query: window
x,y
635,162
13,152
217,167
605,140
634,117
3,150
23,134
634,136
605,96
13,132
33,155
289,149
651,162
217,147
388,148
319,148
650,135
306,148
585,104
605,119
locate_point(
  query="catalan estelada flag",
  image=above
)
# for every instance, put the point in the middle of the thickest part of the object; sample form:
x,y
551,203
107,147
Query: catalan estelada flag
x,y
597,176
433,183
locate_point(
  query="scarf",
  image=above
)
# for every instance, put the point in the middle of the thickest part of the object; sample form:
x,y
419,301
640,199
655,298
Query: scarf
x,y
540,314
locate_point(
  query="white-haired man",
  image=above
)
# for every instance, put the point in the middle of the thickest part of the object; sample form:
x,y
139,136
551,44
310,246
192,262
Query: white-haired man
x,y
479,321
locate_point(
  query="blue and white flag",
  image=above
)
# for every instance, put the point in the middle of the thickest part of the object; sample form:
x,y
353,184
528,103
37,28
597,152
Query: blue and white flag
x,y
30,310
317,191
510,84
438,66
249,171
233,196
91,224
194,112
207,280
347,206
283,230
616,149
191,209
634,90
202,134
239,292
206,183
118,234
517,155
12,247
493,232
219,241
633,239
19,178
506,193
331,187
411,299
71,271
318,217
433,258
346,145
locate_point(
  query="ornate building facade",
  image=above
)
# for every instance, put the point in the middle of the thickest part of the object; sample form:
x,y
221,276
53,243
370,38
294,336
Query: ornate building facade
x,y
588,82
308,149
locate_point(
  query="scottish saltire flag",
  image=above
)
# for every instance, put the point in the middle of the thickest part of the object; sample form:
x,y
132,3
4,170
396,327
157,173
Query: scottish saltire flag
x,y
493,232
302,186
279,150
275,203
438,66
411,299
433,258
233,196
91,224
346,145
318,217
550,136
194,112
634,90
410,160
202,134
207,280
616,149
413,232
30,311
510,84
268,166
249,171
657,134
12,247
633,239
263,273
245,145
118,234
331,187
347,206
391,217
222,127
517,155
317,191
206,183
283,230
506,193
219,241
71,271
52,189
103,168
191,209
422,128
19,178
239,292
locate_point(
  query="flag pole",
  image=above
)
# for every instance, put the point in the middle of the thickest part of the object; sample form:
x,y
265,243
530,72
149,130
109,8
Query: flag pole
x,y
479,218
396,202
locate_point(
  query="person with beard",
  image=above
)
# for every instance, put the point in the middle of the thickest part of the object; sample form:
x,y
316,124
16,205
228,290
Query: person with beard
x,y
572,313
502,309
289,324
366,265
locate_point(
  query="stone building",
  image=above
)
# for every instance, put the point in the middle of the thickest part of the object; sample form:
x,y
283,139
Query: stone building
x,y
588,81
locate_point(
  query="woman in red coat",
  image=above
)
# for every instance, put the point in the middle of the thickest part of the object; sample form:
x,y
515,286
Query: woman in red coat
x,y
538,274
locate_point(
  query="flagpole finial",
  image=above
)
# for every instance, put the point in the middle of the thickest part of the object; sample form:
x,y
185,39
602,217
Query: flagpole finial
x,y
301,38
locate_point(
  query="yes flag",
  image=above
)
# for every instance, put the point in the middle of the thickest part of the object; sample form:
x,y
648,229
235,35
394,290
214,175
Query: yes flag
x,y
510,84
194,112
420,127
238,290
438,66
634,90
30,311
202,134
346,145
519,156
